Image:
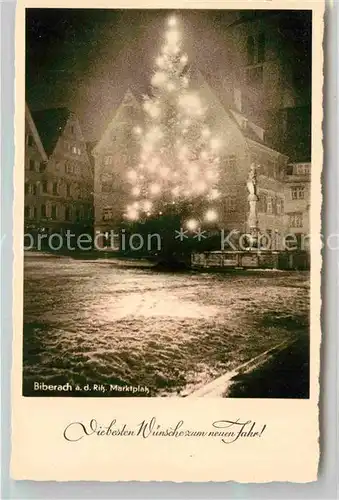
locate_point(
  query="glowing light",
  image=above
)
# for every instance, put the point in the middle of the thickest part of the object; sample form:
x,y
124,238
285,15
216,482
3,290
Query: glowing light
x,y
137,130
172,21
135,204
185,81
193,171
183,152
192,224
151,167
147,147
172,37
154,111
206,132
135,191
211,215
190,103
200,187
146,105
132,214
183,59
154,134
155,188
160,61
147,205
215,143
132,175
170,86
211,175
164,171
160,213
214,194
159,78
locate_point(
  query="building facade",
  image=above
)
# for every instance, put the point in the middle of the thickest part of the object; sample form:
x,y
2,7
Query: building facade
x,y
242,145
271,67
35,165
58,175
114,152
297,192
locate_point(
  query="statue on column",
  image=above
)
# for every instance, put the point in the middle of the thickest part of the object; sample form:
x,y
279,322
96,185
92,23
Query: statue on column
x,y
253,200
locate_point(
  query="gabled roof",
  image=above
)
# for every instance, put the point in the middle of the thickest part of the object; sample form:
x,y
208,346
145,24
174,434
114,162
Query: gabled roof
x,y
35,133
129,99
50,124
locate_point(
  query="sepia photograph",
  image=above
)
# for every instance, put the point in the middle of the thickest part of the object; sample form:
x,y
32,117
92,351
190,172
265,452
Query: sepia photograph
x,y
167,198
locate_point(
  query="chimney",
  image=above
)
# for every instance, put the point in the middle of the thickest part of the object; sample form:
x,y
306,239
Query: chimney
x,y
237,100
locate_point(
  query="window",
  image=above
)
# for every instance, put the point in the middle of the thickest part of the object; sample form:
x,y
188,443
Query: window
x,y
107,213
32,165
78,214
45,187
74,150
302,169
43,211
231,161
34,189
296,220
68,213
298,192
254,75
72,129
106,187
269,206
68,190
27,212
279,206
108,160
230,202
42,167
30,140
27,188
55,188
79,151
289,170
250,50
69,169
53,212
261,47
262,203
35,213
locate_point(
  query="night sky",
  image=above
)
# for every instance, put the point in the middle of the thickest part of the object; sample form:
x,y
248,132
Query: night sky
x,y
85,59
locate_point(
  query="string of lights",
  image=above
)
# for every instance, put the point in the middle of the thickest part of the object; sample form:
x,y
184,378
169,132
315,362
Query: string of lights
x,y
179,156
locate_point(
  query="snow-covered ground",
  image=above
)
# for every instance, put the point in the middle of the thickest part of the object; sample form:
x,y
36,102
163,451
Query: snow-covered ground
x,y
98,322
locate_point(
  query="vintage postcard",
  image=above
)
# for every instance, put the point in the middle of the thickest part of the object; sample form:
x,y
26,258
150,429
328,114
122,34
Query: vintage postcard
x,y
167,241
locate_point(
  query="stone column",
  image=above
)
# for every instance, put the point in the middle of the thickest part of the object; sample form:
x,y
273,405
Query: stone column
x,y
252,221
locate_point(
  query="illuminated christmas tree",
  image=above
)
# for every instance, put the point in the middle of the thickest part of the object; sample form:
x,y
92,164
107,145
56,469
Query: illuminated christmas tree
x,y
178,172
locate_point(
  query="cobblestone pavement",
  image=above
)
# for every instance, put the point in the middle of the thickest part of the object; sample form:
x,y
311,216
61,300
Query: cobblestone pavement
x,y
97,322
